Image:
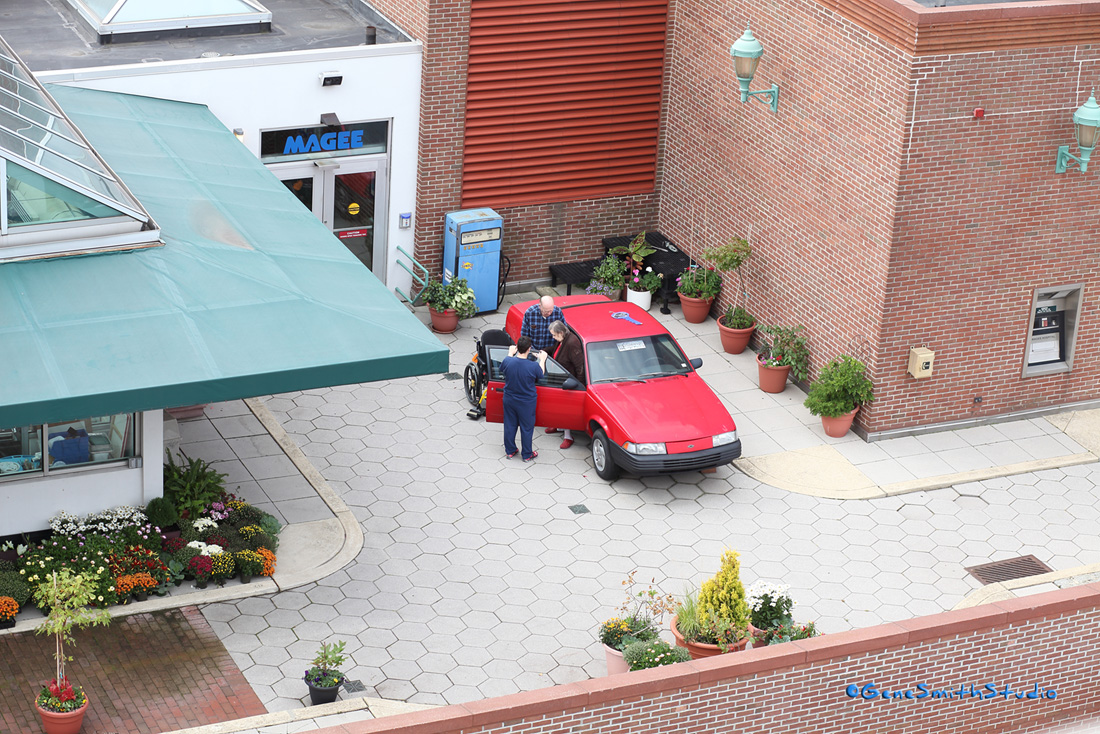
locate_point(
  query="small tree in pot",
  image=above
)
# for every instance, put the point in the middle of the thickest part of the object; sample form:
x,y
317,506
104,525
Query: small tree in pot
x,y
737,324
839,391
69,597
449,303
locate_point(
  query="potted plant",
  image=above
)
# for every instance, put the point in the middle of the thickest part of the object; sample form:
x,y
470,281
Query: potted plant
x,y
697,288
249,564
324,678
608,278
735,327
200,568
143,583
771,606
717,619
449,303
653,653
786,354
639,619
68,596
838,392
8,609
641,285
163,515
636,251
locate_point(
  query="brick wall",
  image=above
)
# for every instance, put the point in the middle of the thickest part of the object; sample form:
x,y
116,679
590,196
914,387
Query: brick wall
x,y
1048,640
983,220
812,187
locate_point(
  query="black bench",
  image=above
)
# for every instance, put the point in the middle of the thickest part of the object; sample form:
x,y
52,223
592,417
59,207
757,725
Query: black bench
x,y
570,273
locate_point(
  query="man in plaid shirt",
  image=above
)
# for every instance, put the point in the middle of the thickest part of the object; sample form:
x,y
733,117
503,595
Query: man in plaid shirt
x,y
536,324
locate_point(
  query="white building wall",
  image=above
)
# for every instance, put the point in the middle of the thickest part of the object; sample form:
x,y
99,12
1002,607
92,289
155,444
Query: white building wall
x,y
83,491
283,90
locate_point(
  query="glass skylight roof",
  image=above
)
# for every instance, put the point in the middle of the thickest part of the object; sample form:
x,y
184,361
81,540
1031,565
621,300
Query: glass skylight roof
x,y
51,180
115,17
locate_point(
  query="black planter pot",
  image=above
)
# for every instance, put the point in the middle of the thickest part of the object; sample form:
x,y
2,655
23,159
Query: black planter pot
x,y
6,624
322,695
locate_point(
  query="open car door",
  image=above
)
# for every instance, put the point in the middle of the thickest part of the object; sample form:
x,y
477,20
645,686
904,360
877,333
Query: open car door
x,y
556,406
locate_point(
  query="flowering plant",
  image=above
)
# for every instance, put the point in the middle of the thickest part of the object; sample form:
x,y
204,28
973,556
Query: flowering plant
x,y
787,347
136,559
644,280
206,549
216,511
200,568
8,608
249,531
617,633
60,696
608,276
249,562
653,653
269,561
222,566
640,615
143,581
325,672
173,545
204,523
792,631
771,604
699,282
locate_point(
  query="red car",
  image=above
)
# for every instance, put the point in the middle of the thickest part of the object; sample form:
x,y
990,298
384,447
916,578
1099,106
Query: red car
x,y
644,405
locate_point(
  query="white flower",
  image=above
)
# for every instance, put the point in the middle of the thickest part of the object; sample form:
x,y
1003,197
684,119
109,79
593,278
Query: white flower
x,y
205,522
649,270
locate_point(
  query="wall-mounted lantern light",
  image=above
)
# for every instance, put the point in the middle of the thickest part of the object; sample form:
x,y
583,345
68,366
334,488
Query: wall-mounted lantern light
x,y
1086,128
746,55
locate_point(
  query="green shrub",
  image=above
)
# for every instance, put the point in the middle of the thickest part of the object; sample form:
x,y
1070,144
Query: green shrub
x,y
6,565
13,585
193,486
161,512
788,347
737,317
722,598
653,653
271,527
618,632
241,514
185,554
841,387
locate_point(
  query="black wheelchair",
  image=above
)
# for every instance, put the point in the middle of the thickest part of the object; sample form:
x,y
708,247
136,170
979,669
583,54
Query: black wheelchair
x,y
475,380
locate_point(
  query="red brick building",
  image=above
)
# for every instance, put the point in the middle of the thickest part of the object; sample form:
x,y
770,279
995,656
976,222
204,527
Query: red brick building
x,y
885,213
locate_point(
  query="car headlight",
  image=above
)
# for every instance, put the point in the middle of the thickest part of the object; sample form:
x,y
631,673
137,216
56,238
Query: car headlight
x,y
645,449
723,438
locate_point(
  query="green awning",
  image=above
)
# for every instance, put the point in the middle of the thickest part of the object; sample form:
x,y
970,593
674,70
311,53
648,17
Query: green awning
x,y
251,294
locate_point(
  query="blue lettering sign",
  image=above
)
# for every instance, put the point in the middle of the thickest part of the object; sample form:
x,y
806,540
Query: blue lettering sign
x,y
342,140
312,146
328,141
869,691
357,138
294,144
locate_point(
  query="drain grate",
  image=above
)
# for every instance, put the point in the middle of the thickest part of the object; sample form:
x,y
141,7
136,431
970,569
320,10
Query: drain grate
x,y
451,376
1013,568
354,686
578,509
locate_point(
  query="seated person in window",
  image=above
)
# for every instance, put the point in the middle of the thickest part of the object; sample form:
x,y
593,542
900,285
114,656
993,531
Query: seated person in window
x,y
570,355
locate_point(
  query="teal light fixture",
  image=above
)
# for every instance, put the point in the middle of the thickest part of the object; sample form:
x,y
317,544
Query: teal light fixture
x,y
1086,128
746,55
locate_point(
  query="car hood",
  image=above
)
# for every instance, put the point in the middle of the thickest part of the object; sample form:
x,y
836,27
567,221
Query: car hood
x,y
664,409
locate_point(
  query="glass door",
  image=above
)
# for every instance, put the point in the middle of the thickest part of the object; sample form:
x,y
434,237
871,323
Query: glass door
x,y
348,195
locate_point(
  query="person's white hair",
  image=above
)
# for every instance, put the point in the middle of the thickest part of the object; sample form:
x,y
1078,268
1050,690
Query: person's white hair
x,y
557,327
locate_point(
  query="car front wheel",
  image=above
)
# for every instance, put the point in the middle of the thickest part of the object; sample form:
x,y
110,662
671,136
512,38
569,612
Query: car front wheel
x,y
601,456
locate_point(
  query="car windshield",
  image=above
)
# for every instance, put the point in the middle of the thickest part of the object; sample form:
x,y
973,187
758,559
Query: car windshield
x,y
637,358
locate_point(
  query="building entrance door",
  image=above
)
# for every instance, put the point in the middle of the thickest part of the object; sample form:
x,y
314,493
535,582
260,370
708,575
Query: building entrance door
x,y
349,196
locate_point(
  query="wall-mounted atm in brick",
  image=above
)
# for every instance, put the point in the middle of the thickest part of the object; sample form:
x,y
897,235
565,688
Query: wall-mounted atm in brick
x,y
1052,331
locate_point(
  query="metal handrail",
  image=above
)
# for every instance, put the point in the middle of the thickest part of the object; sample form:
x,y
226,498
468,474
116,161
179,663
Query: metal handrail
x,y
421,280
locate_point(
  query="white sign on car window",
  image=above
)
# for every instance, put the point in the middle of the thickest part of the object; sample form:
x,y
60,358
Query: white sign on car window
x,y
630,346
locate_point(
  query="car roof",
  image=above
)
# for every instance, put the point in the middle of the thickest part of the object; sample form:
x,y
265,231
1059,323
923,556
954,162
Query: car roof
x,y
595,321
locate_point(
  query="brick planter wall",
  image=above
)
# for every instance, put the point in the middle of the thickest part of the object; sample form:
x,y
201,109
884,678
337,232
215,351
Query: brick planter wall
x,y
1051,640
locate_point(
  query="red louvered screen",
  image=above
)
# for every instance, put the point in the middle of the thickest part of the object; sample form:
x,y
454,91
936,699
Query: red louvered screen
x,y
563,100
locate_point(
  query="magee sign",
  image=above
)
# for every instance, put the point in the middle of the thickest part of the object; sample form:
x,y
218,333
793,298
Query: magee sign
x,y
324,141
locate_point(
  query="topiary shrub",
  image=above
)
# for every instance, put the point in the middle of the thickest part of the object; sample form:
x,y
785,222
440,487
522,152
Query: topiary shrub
x,y
722,598
161,513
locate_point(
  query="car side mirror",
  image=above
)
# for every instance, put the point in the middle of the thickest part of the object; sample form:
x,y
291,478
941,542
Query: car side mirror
x,y
572,383
697,362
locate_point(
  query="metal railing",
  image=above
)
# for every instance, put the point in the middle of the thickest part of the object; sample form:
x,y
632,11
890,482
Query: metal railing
x,y
419,280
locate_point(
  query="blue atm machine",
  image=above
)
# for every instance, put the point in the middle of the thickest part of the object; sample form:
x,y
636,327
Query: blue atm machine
x,y
471,250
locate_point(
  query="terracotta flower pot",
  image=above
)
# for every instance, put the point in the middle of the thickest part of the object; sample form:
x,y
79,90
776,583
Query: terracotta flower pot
x,y
444,322
838,427
63,723
734,341
773,379
615,662
695,310
699,650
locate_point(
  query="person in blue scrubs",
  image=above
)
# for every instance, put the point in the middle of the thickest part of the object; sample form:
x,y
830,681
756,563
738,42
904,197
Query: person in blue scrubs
x,y
520,375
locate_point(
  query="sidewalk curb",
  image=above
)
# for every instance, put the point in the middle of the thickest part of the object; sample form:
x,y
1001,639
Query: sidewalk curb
x,y
376,706
353,533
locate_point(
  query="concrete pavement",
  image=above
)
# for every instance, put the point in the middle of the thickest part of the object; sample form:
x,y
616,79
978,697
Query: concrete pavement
x,y
476,578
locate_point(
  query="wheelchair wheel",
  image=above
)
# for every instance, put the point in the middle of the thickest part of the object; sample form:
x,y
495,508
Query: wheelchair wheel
x,y
471,383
